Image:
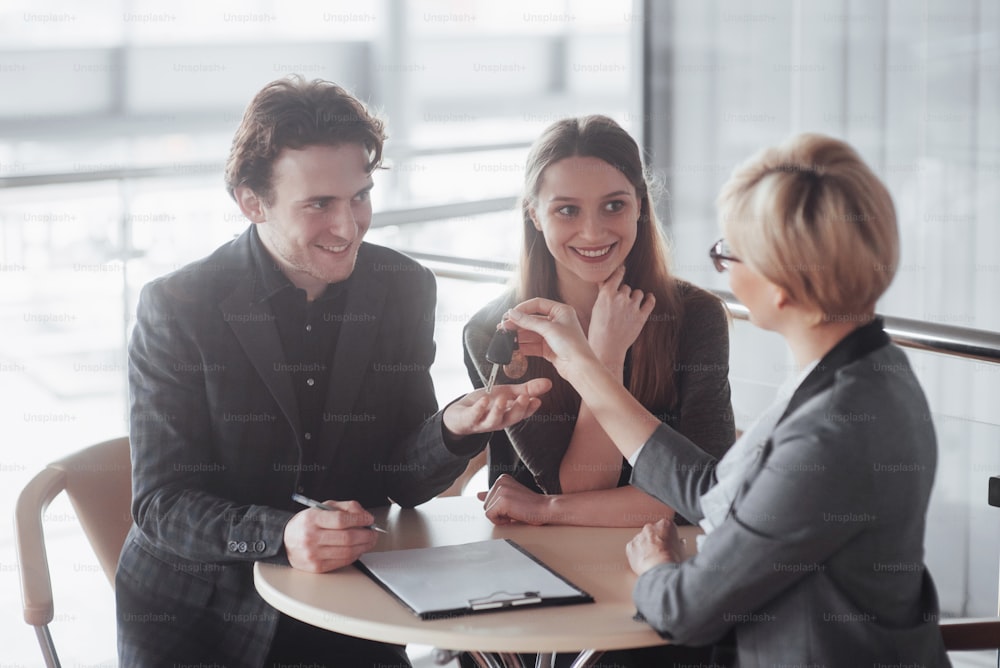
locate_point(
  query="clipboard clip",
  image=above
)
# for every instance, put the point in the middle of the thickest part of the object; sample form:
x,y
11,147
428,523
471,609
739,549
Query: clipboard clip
x,y
504,599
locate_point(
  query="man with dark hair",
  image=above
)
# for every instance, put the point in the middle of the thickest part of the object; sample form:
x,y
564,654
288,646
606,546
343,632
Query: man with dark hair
x,y
294,359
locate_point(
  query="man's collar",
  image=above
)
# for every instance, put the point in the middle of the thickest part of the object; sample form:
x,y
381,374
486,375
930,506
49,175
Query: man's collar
x,y
270,279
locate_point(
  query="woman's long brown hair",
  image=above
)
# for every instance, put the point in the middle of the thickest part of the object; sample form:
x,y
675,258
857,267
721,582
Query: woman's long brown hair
x,y
646,267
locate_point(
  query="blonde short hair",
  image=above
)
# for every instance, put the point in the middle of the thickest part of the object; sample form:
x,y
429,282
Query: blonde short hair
x,y
812,218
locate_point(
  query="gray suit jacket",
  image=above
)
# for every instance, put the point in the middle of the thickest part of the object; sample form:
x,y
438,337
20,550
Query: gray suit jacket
x,y
216,443
820,561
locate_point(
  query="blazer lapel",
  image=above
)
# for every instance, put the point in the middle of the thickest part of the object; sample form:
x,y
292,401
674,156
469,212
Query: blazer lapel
x,y
859,343
253,324
851,348
358,332
756,466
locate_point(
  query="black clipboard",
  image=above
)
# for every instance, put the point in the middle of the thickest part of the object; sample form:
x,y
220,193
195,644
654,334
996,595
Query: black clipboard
x,y
454,580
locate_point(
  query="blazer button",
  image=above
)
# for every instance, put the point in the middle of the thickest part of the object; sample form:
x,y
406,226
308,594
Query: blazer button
x,y
259,546
243,546
233,546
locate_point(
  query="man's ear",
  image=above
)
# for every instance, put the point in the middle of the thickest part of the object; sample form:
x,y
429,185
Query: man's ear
x,y
250,204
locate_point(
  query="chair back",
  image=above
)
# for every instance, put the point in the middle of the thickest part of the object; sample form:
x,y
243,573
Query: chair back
x,y
98,482
99,485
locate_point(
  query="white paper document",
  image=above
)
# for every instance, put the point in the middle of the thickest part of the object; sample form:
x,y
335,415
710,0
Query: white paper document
x,y
487,575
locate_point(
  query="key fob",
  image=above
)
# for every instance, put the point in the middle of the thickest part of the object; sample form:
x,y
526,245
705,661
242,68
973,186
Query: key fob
x,y
502,347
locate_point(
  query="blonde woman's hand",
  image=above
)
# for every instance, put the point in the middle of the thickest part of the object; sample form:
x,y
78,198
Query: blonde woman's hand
x,y
656,544
619,315
551,330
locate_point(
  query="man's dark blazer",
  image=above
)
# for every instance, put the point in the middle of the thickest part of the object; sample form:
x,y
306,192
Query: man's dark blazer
x,y
216,443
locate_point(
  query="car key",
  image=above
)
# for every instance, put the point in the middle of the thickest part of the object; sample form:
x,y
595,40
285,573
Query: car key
x,y
500,352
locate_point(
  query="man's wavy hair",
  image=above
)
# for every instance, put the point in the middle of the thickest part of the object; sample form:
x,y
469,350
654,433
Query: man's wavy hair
x,y
294,113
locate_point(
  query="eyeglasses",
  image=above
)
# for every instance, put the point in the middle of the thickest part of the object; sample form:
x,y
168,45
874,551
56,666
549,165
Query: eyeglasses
x,y
719,252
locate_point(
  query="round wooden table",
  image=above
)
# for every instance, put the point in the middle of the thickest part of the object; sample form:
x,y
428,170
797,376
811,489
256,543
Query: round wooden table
x,y
349,602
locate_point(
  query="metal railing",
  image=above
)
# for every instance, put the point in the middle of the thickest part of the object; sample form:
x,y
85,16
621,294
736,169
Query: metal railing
x,y
213,168
964,342
924,335
977,344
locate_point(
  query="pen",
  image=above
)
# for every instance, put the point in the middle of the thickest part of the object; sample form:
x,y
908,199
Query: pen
x,y
313,503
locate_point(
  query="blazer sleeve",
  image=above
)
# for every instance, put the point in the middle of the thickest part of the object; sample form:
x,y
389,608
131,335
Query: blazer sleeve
x,y
808,499
705,411
175,478
674,470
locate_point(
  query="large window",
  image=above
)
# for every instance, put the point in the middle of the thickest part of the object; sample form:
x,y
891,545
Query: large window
x,y
116,116
915,86
115,122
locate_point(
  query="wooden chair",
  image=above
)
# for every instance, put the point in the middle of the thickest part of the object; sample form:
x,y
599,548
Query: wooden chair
x,y
971,633
98,482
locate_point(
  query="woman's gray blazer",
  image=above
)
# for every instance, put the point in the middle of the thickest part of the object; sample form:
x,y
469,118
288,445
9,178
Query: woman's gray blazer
x,y
820,561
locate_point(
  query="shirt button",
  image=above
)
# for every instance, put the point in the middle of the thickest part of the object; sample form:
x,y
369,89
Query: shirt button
x,y
308,436
310,382
309,328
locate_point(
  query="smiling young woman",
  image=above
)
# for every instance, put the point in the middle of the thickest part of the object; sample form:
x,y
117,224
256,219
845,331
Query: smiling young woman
x,y
591,239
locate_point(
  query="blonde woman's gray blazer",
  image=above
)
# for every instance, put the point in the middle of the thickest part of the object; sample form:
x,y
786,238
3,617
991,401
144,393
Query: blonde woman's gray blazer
x,y
820,561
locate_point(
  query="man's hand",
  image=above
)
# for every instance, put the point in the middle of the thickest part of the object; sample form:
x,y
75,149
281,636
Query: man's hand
x,y
323,540
480,411
509,501
656,544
